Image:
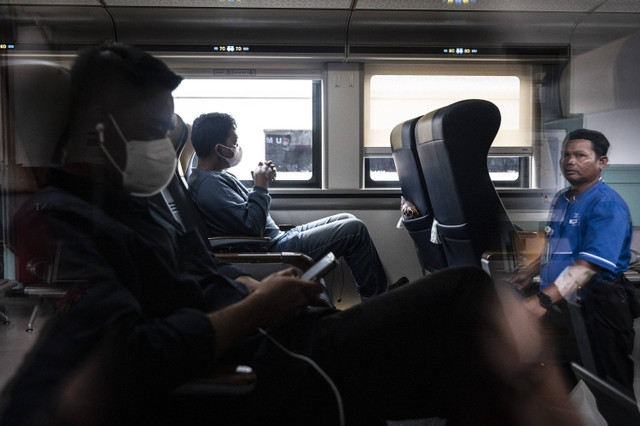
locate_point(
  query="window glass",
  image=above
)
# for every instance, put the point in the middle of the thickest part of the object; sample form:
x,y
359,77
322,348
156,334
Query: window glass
x,y
504,168
395,94
383,169
504,171
275,120
380,172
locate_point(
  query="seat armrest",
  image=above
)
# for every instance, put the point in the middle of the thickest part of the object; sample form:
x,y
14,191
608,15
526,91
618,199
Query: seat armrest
x,y
298,260
53,291
238,238
492,256
238,243
226,380
498,262
502,256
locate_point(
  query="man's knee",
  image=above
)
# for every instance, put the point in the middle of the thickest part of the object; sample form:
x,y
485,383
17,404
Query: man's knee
x,y
353,225
344,216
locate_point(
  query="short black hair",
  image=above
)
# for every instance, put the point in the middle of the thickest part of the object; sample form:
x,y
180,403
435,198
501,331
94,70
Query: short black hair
x,y
99,71
599,142
210,129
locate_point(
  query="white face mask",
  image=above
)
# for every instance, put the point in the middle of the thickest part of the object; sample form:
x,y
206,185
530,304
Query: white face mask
x,y
233,156
149,167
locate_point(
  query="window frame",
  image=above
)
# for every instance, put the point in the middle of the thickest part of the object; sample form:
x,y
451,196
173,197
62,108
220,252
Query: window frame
x,y
369,182
528,76
315,181
523,71
313,74
524,180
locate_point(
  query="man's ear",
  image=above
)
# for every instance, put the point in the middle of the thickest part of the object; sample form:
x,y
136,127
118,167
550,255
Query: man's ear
x,y
95,125
100,130
90,128
603,161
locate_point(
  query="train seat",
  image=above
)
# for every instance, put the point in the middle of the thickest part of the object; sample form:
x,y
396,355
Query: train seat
x,y
232,249
38,110
179,188
452,144
471,222
414,190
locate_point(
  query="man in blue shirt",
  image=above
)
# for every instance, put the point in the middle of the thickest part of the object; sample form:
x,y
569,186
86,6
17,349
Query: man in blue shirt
x,y
586,254
229,208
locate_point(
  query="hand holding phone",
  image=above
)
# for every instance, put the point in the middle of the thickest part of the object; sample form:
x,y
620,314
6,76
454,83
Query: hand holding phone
x,y
320,268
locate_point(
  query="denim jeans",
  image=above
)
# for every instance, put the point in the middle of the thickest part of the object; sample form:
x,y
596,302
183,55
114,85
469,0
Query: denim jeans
x,y
346,236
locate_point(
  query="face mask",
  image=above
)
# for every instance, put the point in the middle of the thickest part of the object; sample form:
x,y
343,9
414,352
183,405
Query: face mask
x,y
232,156
149,167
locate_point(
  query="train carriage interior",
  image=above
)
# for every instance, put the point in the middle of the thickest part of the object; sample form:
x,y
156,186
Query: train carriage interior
x,y
335,92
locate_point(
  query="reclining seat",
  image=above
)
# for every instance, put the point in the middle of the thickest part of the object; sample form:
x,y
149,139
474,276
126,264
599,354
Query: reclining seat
x,y
37,109
452,144
414,189
233,249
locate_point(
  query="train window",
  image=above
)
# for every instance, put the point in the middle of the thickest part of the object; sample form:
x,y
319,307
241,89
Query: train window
x,y
509,171
504,171
277,119
394,93
380,172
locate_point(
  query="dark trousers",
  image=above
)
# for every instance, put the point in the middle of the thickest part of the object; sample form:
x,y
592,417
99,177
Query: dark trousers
x,y
609,310
419,351
561,335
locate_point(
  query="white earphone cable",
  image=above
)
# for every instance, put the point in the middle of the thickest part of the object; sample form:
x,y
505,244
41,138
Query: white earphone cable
x,y
313,364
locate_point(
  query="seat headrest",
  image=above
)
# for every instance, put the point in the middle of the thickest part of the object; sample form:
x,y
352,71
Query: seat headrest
x,y
179,134
402,134
468,127
39,103
187,153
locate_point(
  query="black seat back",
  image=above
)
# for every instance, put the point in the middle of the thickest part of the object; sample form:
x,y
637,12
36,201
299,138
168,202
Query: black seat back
x,y
38,106
452,145
616,406
405,157
176,196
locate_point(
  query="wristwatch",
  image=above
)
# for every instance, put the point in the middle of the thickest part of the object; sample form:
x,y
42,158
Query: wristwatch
x,y
545,300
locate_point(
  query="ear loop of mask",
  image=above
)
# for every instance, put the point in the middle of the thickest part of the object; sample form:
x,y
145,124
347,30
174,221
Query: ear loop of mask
x,y
100,130
219,150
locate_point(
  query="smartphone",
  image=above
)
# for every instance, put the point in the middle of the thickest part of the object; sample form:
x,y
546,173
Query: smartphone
x,y
320,268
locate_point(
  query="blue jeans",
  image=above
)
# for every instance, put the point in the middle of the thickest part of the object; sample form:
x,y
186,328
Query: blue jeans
x,y
344,235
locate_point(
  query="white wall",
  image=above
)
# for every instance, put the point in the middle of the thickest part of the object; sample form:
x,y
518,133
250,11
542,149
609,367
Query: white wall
x,y
622,128
395,246
342,128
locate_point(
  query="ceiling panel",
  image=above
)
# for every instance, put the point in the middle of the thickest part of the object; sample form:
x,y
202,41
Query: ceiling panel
x,y
429,28
319,23
483,5
51,2
620,6
601,28
598,6
256,4
215,26
244,4
49,26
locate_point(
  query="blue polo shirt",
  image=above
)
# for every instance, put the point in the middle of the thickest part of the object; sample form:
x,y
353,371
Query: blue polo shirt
x,y
596,227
